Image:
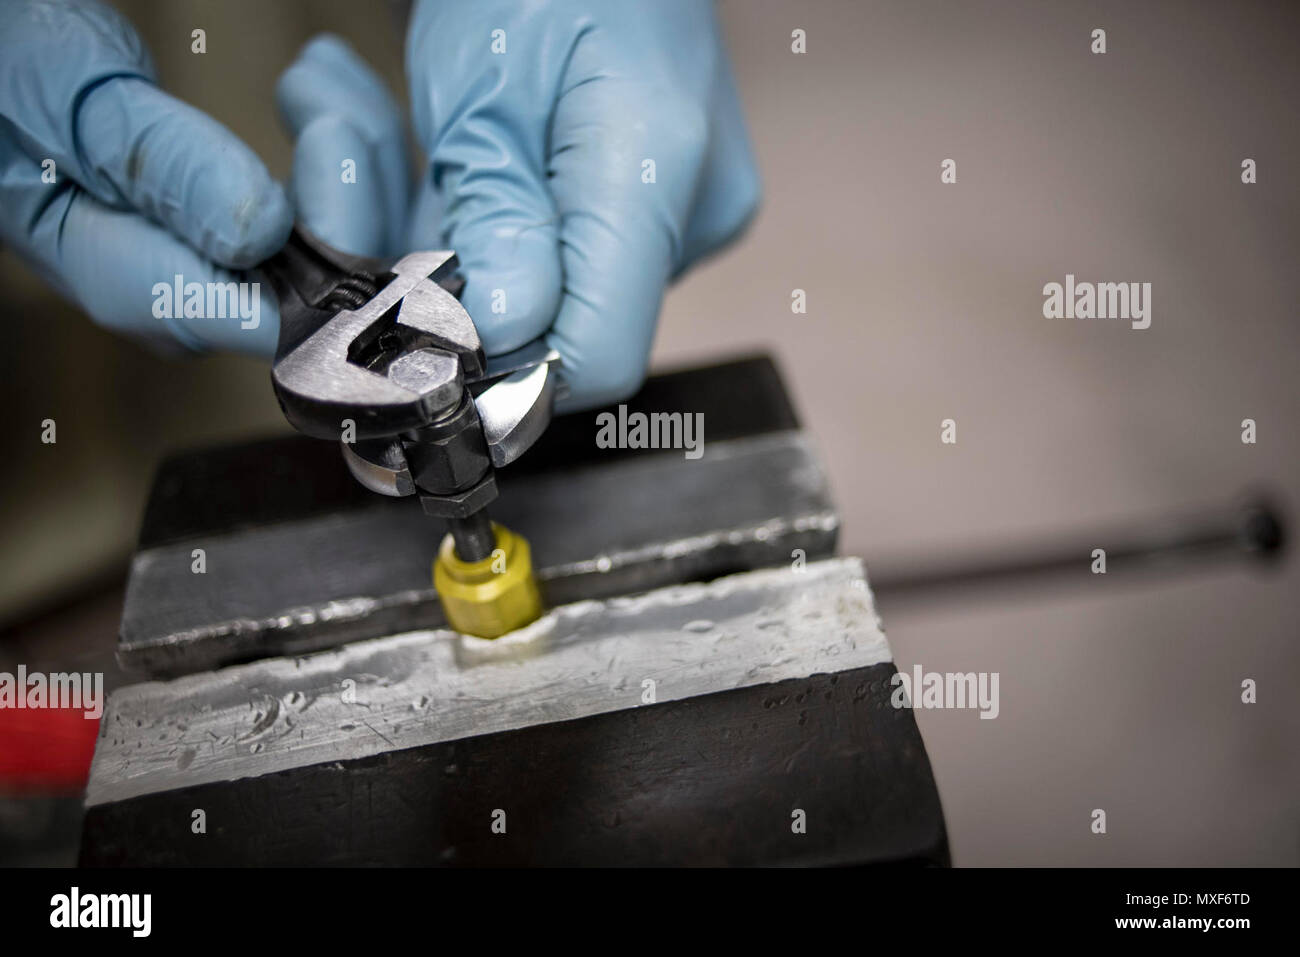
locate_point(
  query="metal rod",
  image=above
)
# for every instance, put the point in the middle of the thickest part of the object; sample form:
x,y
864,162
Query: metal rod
x,y
1255,529
473,536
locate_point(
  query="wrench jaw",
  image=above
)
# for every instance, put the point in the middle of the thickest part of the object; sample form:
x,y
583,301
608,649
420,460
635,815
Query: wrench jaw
x,y
388,361
484,426
377,366
379,465
516,410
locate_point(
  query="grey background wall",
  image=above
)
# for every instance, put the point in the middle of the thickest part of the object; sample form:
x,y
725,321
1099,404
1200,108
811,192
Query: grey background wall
x,y
924,303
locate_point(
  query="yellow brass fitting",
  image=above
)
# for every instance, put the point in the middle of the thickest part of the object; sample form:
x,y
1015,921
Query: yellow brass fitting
x,y
490,597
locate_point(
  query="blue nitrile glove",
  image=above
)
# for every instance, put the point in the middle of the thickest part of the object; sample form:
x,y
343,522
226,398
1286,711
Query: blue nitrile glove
x,y
145,188
541,121
351,179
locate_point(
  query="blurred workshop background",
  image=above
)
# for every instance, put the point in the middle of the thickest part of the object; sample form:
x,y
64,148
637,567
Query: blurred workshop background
x,y
924,302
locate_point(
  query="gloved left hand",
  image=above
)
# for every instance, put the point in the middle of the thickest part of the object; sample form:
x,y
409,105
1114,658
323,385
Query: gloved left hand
x,y
351,180
581,153
109,186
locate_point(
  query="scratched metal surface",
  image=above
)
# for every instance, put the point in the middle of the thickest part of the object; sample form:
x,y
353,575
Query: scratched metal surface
x,y
605,529
415,689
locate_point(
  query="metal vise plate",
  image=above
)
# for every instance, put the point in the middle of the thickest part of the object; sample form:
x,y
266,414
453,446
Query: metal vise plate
x,y
298,558
690,725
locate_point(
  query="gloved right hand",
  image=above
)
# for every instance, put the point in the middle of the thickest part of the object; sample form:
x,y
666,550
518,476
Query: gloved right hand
x,y
109,186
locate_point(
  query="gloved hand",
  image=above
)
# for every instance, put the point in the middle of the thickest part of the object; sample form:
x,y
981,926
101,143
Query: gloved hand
x,y
351,180
144,187
581,154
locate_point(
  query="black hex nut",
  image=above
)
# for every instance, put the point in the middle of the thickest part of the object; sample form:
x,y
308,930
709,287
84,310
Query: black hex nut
x,y
464,503
450,455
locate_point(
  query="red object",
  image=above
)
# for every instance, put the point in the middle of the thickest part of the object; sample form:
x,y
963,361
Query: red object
x,y
45,749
